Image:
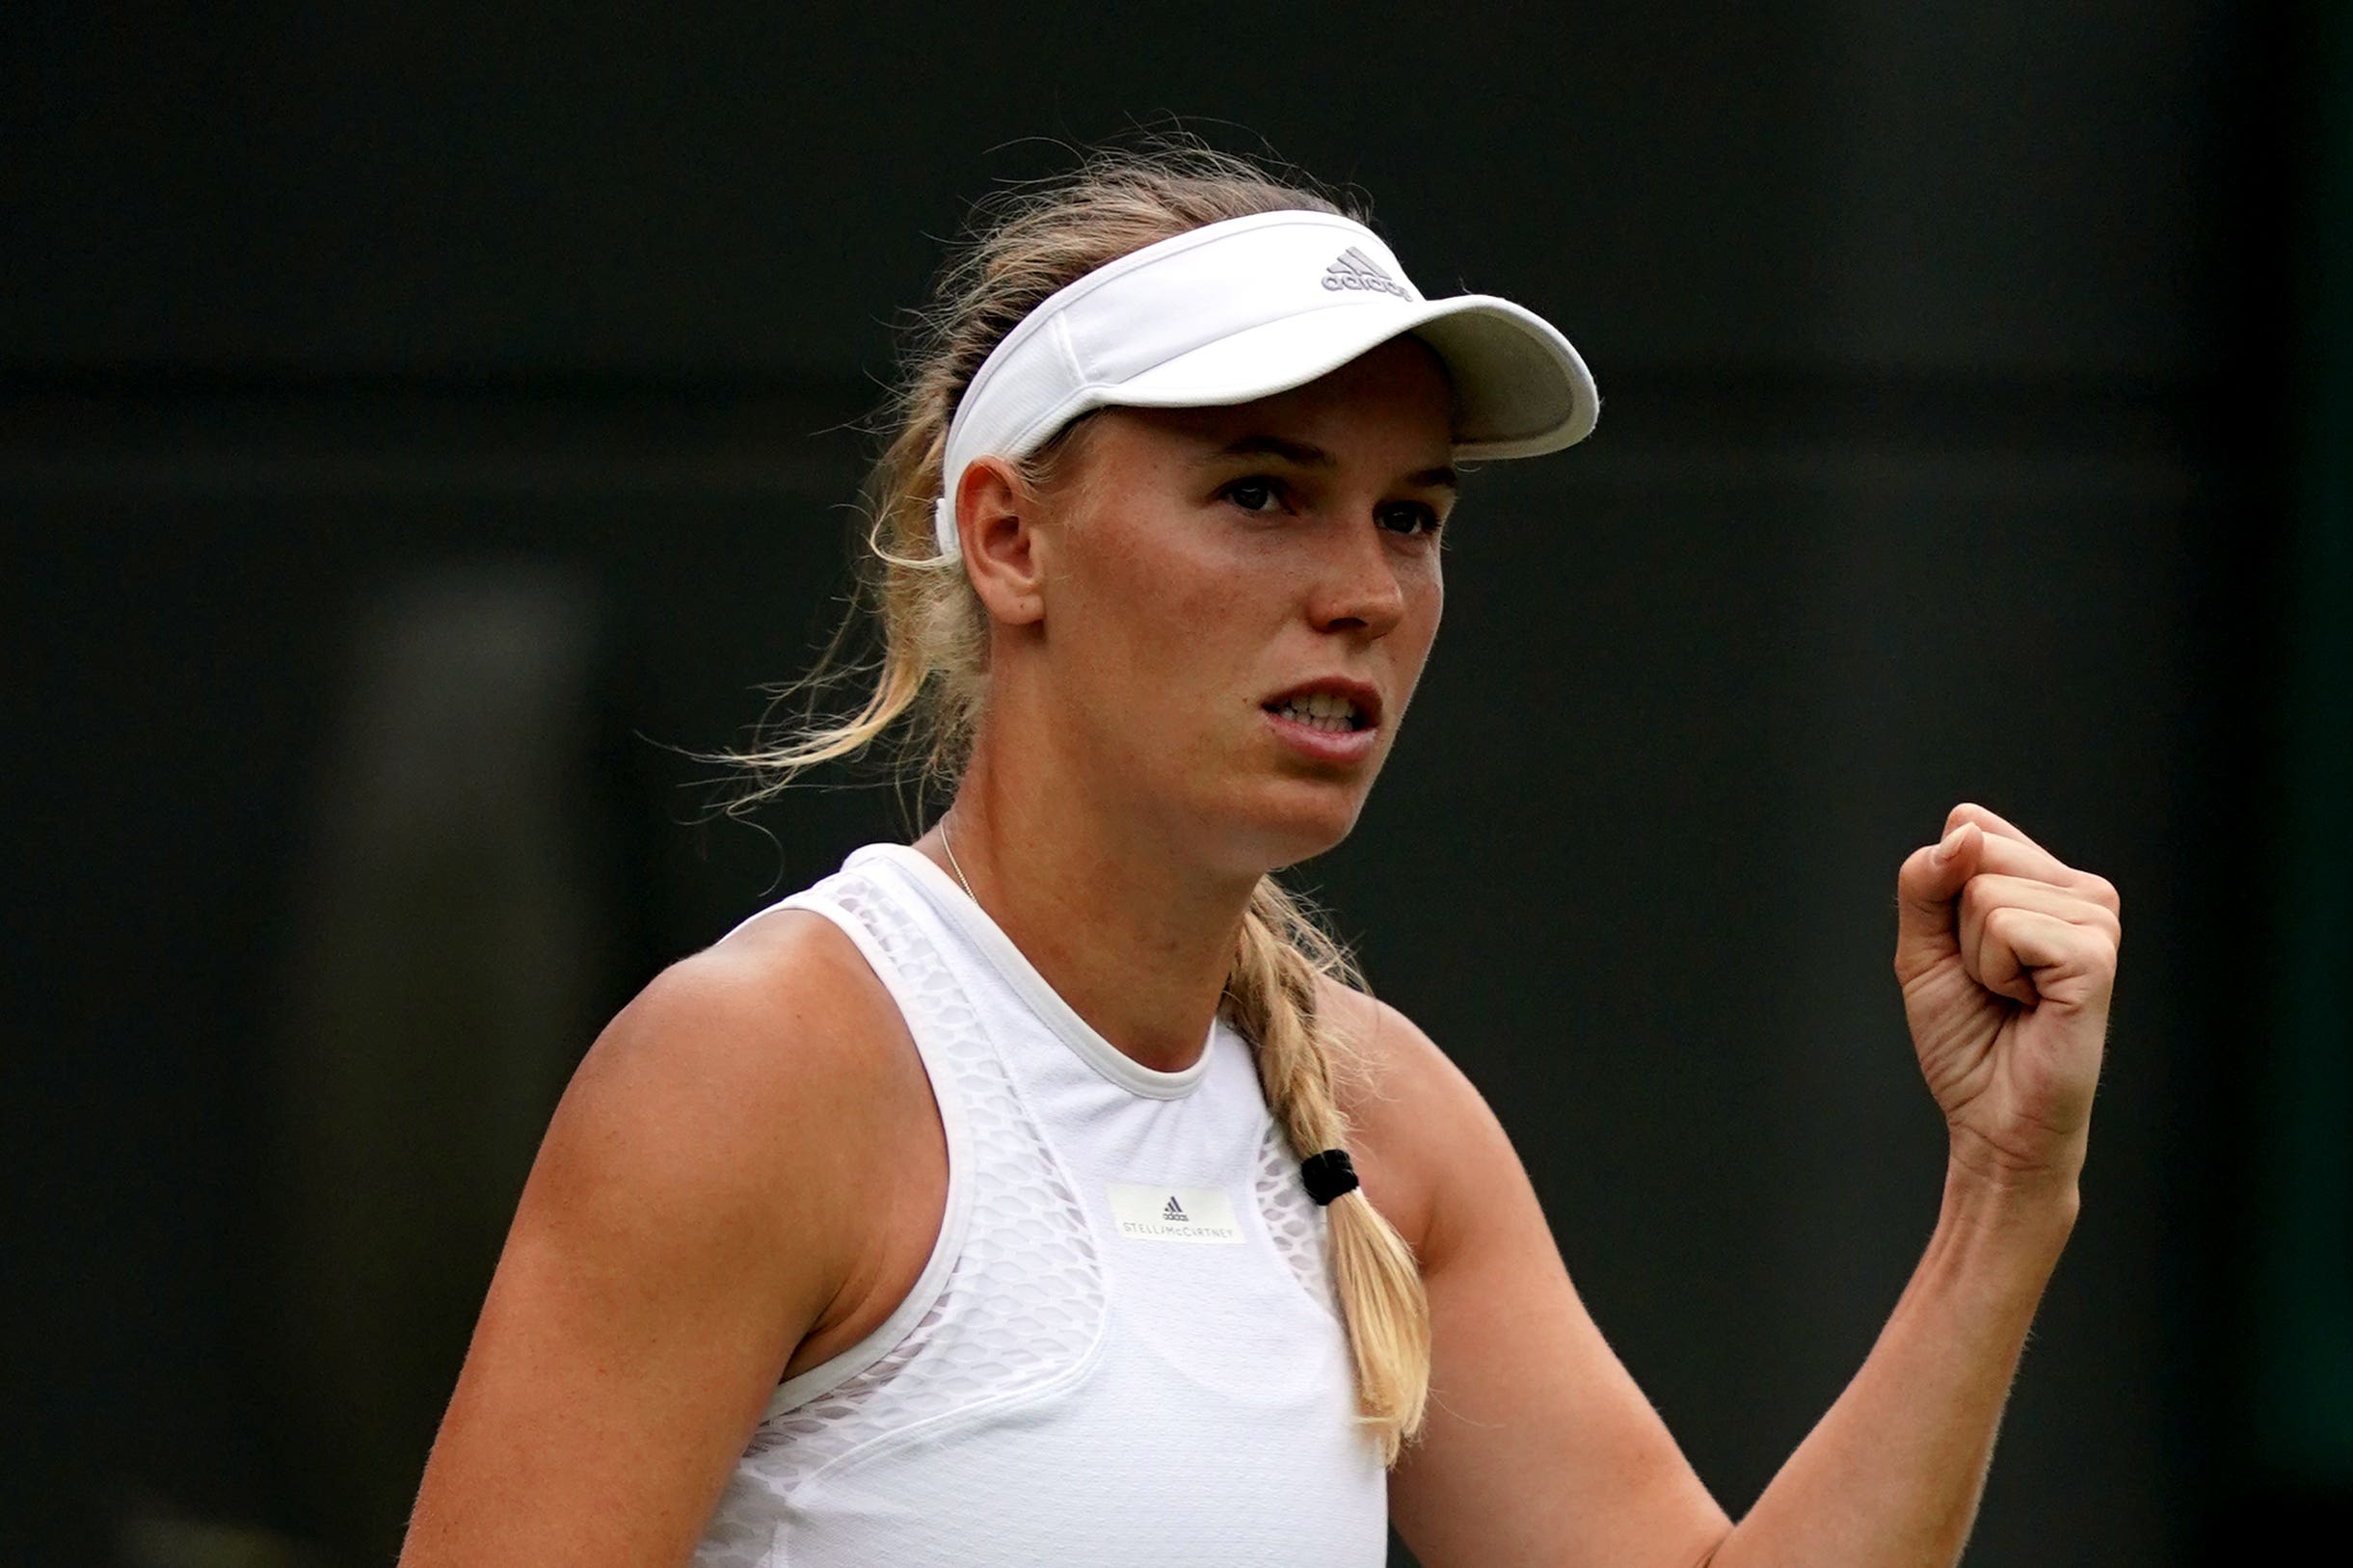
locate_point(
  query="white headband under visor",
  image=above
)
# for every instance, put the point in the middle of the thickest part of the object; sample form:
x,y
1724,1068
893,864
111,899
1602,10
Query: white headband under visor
x,y
1247,308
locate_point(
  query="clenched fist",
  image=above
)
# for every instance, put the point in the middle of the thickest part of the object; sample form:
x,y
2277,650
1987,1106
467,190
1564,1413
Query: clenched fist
x,y
2007,956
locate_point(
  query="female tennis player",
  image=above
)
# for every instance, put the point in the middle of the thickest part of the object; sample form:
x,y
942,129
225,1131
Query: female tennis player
x,y
1048,1191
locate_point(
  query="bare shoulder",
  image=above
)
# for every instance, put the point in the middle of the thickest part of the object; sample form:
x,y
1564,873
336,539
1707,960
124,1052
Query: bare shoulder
x,y
782,1016
702,1204
1421,1131
737,1099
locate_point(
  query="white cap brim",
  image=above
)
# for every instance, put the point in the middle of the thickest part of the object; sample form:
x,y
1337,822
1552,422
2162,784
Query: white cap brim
x,y
1520,387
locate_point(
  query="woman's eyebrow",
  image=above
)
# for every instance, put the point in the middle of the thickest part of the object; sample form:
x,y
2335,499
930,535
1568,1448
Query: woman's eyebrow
x,y
1304,454
1301,453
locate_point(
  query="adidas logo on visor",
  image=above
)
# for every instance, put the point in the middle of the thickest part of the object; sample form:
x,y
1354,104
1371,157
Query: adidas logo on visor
x,y
1354,269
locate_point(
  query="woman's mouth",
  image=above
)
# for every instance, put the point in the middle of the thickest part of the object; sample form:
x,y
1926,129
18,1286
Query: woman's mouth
x,y
1322,710
1323,725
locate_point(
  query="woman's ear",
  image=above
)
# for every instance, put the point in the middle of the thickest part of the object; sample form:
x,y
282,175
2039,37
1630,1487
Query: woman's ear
x,y
997,528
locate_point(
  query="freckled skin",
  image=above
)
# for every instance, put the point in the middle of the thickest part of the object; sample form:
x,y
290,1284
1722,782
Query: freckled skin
x,y
1179,605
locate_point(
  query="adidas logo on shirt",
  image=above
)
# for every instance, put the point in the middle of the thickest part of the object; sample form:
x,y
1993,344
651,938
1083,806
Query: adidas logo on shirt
x,y
1199,1216
1354,269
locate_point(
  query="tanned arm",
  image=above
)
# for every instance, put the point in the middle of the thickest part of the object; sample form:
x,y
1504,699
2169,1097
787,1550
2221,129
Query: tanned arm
x,y
689,1219
1541,1451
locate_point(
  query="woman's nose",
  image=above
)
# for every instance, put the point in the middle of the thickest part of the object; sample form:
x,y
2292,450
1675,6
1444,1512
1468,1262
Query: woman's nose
x,y
1360,586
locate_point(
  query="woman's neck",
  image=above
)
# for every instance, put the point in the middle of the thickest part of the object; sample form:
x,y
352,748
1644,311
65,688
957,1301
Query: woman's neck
x,y
1133,937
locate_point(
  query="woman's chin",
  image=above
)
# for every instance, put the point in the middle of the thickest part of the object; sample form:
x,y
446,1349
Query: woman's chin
x,y
1301,821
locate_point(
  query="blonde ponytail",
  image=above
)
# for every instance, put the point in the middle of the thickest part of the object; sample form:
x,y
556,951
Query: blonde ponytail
x,y
1272,998
931,673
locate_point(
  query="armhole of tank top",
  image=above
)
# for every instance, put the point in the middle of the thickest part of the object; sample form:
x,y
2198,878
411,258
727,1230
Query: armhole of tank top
x,y
839,1367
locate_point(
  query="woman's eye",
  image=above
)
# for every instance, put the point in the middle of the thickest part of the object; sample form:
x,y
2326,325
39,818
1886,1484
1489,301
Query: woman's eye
x,y
1410,517
1254,495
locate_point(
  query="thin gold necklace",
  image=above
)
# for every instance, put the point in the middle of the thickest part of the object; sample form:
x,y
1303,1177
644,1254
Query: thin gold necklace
x,y
949,845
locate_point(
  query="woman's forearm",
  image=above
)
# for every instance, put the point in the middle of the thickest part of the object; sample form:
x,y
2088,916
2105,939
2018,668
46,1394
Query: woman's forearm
x,y
1892,1474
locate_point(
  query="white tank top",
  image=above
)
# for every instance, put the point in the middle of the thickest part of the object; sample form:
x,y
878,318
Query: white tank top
x,y
1124,1351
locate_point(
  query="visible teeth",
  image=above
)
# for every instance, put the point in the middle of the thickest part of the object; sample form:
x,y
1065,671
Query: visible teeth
x,y
1322,710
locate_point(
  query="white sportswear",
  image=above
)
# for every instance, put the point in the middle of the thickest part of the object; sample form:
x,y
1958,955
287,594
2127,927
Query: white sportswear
x,y
1124,1351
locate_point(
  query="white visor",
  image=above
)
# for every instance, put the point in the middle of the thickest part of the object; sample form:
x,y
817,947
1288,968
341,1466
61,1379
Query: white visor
x,y
1247,308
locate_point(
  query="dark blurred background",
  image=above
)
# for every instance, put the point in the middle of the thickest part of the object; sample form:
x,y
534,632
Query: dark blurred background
x,y
421,426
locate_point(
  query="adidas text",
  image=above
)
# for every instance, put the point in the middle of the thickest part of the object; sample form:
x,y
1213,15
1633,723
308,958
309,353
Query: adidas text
x,y
1354,269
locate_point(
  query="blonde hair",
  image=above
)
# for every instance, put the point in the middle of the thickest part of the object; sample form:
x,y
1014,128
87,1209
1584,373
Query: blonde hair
x,y
931,675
